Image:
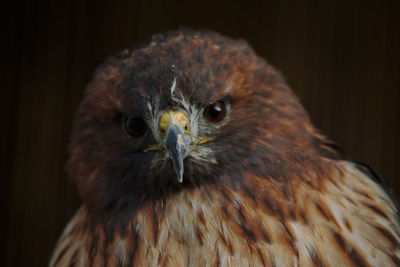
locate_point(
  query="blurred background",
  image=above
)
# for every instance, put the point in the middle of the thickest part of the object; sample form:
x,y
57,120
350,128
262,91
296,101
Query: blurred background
x,y
342,58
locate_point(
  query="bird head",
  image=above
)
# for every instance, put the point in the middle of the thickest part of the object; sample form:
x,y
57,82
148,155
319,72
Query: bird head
x,y
188,108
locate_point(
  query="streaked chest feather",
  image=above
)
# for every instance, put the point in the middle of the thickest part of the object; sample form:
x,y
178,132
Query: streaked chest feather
x,y
345,221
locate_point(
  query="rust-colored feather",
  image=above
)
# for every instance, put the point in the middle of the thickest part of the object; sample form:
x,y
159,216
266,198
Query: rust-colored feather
x,y
273,192
235,230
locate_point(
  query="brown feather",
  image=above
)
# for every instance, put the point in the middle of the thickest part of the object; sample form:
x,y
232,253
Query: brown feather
x,y
278,193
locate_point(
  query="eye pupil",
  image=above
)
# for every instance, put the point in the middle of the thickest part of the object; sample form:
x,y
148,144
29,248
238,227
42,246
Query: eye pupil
x,y
136,127
215,112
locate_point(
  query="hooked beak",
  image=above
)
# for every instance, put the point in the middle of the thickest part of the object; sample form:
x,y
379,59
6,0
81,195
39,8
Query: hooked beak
x,y
177,143
177,140
174,127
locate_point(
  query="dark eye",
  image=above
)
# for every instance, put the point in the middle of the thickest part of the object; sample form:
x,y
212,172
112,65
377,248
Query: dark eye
x,y
136,127
215,112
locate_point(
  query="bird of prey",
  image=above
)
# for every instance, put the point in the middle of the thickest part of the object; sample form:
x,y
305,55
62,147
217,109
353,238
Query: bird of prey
x,y
190,150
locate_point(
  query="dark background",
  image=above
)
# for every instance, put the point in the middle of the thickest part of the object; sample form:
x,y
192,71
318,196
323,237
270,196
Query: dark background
x,y
341,57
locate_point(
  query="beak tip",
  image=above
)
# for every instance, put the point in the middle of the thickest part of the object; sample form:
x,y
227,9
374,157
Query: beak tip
x,y
177,143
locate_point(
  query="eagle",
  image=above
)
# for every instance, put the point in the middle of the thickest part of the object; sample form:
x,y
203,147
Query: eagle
x,y
191,150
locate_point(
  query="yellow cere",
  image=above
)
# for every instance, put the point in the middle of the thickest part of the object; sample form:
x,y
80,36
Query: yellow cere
x,y
174,117
178,118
